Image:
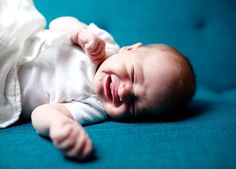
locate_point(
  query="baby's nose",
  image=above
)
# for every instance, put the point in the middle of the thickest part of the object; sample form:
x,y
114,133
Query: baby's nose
x,y
125,91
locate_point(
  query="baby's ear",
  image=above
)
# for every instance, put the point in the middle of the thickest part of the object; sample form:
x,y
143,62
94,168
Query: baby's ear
x,y
131,47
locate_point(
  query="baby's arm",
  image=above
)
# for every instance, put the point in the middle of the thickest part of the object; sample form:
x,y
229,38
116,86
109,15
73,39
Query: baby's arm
x,y
55,121
80,35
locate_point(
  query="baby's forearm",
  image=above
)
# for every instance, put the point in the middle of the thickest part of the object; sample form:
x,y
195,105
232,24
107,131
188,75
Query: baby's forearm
x,y
55,121
44,115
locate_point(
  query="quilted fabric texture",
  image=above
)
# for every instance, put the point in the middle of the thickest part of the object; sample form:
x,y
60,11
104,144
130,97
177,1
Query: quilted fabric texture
x,y
204,30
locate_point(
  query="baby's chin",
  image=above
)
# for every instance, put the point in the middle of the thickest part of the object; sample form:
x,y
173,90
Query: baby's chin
x,y
116,113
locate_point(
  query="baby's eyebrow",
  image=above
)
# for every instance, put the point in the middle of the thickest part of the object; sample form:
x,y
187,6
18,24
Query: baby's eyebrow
x,y
131,110
134,115
138,114
142,110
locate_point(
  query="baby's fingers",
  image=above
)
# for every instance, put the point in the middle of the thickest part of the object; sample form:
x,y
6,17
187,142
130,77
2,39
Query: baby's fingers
x,y
88,148
92,44
96,50
82,148
70,140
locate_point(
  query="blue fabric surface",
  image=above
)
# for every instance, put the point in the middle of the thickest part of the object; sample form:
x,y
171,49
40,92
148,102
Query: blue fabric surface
x,y
204,138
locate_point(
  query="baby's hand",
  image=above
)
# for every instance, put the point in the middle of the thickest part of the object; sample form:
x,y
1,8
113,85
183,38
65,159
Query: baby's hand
x,y
93,46
71,138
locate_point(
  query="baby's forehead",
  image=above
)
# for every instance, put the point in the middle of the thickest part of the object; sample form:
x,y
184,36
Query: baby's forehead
x,y
158,63
153,57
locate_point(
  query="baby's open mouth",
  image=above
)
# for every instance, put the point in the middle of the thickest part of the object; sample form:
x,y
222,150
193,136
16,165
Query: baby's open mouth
x,y
108,88
111,89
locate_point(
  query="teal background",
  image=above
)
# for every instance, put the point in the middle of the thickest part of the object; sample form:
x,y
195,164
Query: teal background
x,y
203,30
203,137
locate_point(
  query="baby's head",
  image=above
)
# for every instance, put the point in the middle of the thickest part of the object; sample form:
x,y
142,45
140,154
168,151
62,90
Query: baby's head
x,y
144,80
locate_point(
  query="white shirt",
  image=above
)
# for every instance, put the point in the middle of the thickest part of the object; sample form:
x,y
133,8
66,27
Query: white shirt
x,y
44,67
61,72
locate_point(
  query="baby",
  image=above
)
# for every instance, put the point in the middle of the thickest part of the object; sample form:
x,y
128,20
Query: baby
x,y
136,81
133,81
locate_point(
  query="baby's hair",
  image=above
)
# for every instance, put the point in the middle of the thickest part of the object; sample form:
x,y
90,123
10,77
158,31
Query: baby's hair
x,y
191,88
185,79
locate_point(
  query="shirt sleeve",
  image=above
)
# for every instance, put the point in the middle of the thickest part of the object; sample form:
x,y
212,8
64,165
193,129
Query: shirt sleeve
x,y
85,113
111,46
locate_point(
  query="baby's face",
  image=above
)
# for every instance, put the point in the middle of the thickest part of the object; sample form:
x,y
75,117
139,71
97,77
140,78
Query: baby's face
x,y
133,81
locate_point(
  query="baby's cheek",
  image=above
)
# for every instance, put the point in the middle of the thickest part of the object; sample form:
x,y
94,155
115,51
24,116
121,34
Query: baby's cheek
x,y
97,82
